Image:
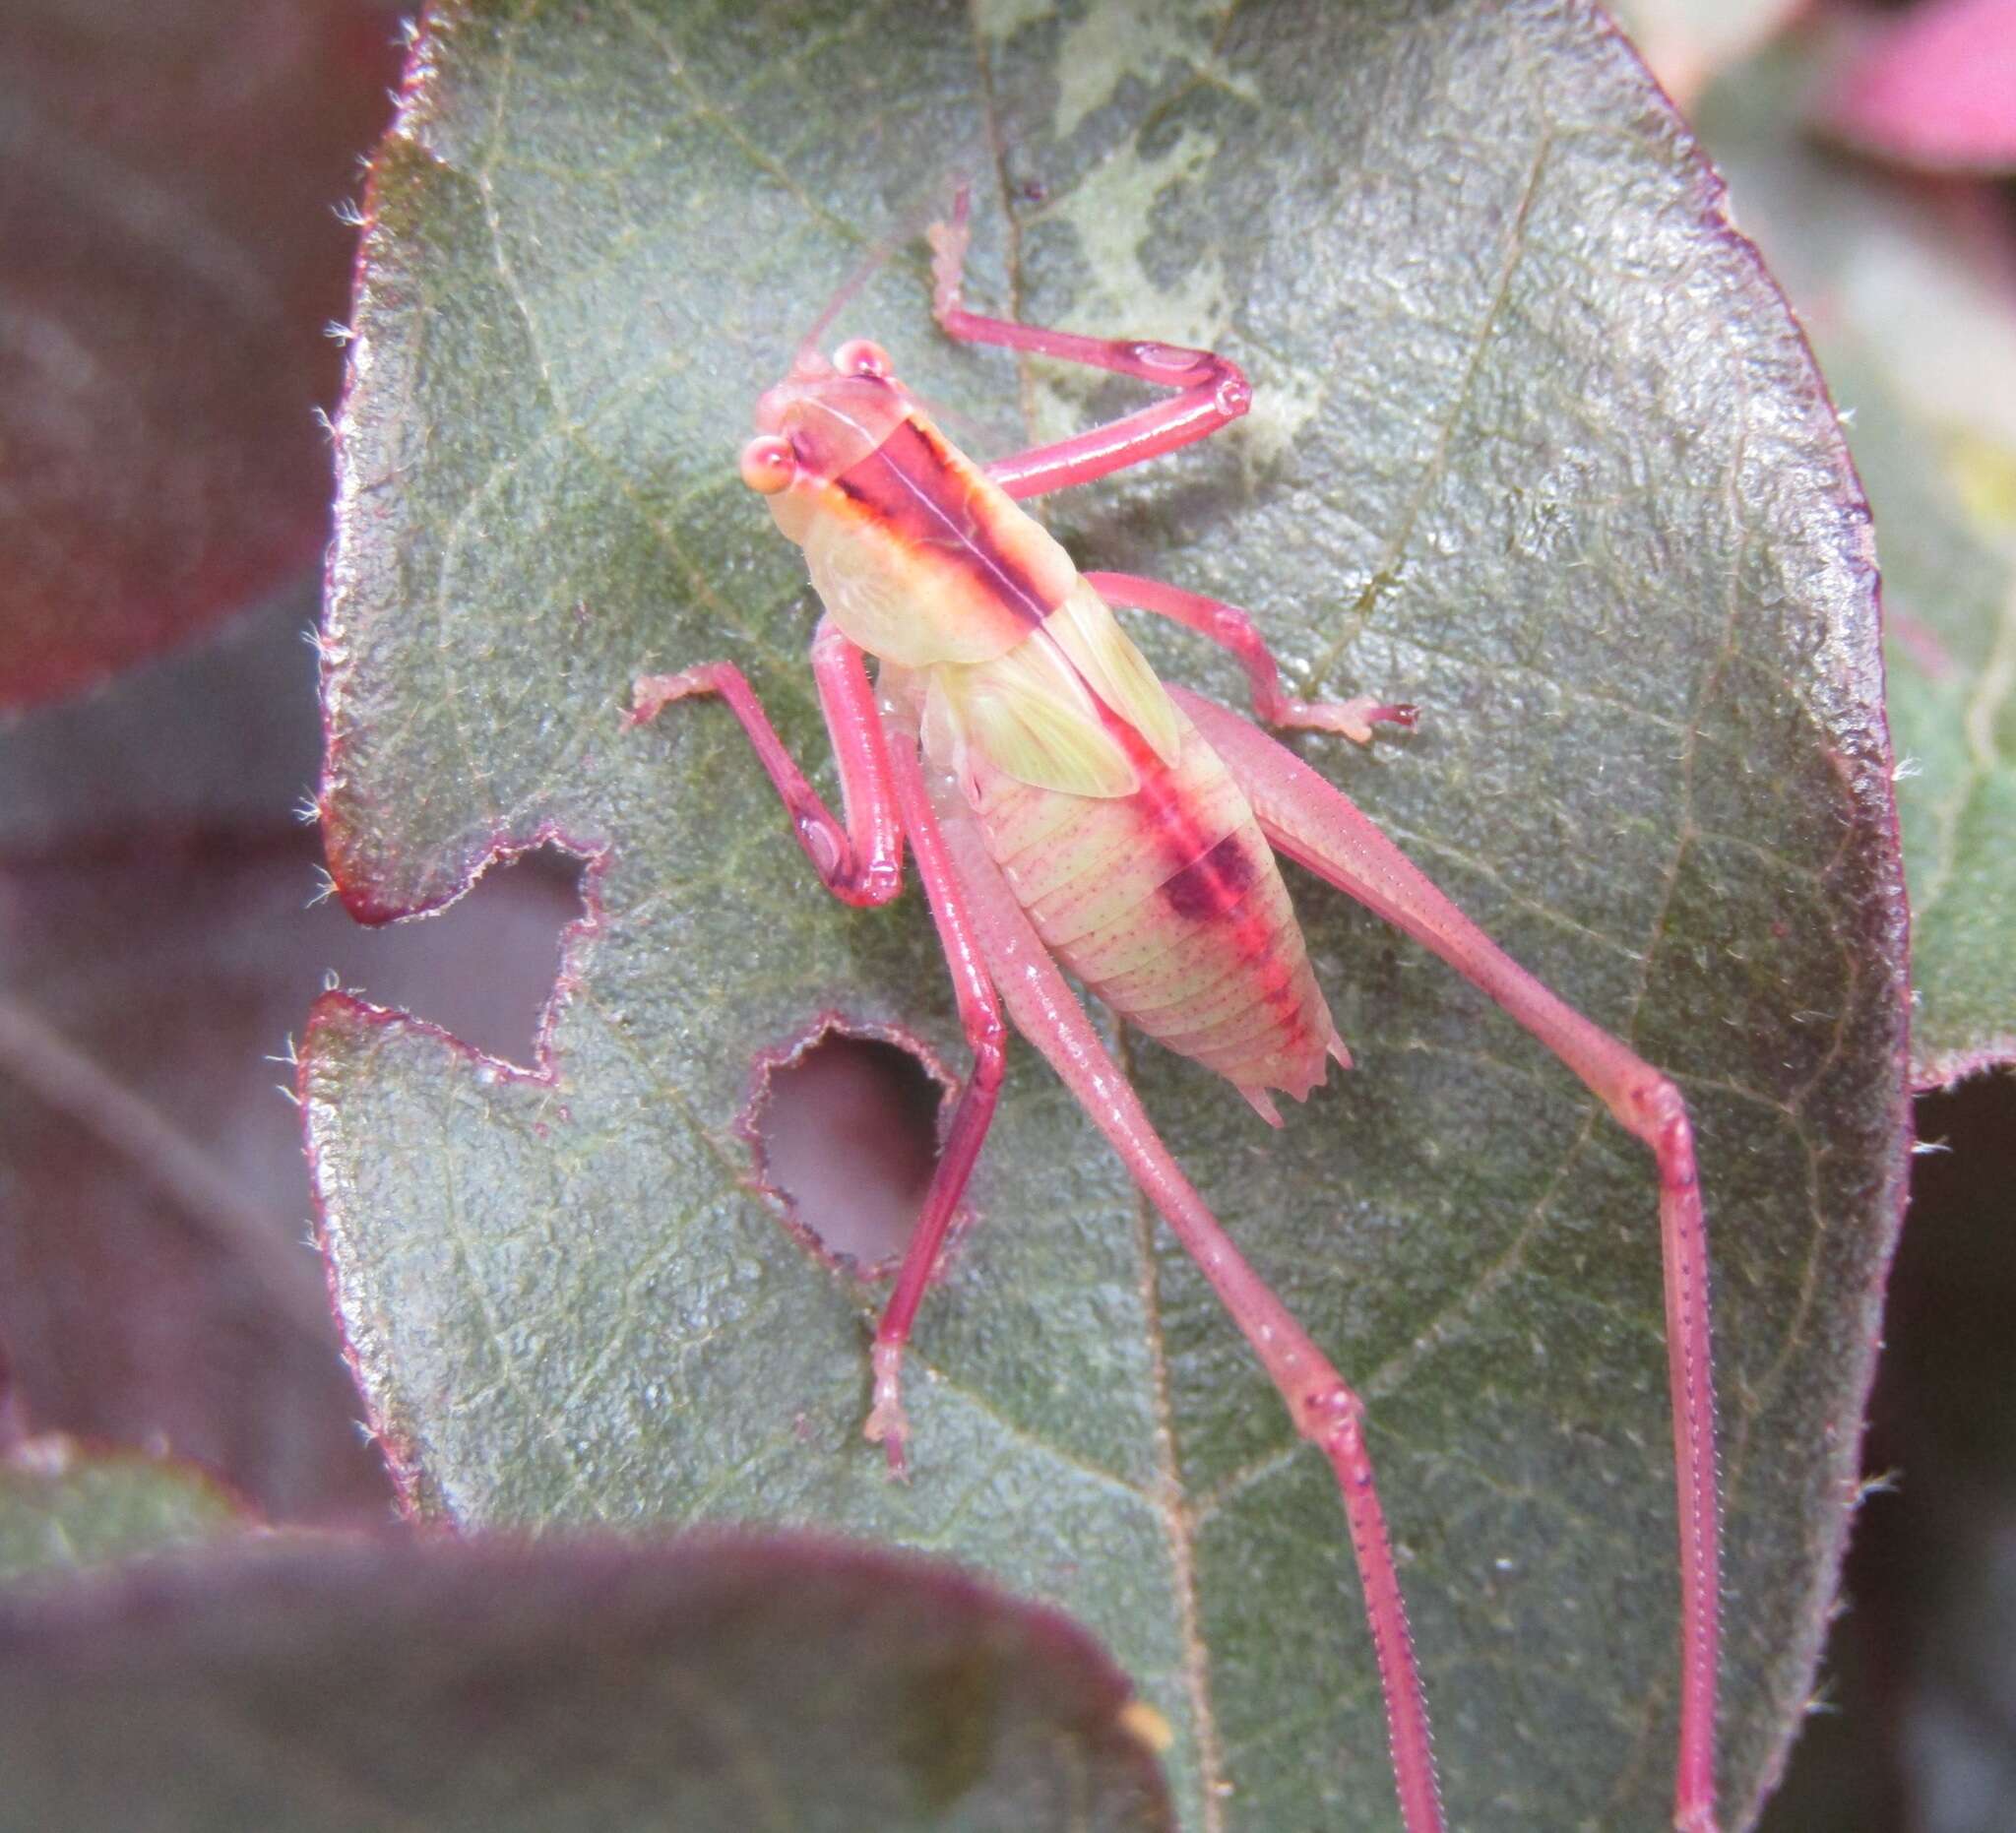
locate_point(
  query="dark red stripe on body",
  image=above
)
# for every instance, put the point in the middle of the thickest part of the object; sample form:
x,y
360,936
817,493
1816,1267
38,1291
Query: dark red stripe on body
x,y
909,486
1209,885
1208,892
1208,879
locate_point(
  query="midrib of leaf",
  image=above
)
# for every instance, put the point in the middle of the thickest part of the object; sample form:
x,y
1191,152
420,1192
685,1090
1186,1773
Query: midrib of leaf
x,y
1168,1501
1179,1519
165,1159
1179,1516
166,221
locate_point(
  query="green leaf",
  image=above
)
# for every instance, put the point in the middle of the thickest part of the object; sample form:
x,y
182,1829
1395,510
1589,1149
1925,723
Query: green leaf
x,y
1949,569
1919,345
716,1686
1535,445
64,1507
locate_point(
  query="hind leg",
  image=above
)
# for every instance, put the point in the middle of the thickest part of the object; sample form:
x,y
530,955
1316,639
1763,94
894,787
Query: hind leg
x,y
1325,1410
1309,820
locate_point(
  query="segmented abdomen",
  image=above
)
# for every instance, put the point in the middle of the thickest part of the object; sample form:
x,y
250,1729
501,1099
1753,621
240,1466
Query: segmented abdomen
x,y
1168,905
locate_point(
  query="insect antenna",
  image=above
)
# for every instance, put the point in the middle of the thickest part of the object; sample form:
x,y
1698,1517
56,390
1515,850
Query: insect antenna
x,y
808,360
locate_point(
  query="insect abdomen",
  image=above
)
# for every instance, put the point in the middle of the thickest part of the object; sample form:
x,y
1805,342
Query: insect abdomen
x,y
1168,905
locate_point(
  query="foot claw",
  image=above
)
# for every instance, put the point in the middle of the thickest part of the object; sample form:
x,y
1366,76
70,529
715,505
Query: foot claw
x,y
891,1430
650,694
898,1461
888,1424
1352,719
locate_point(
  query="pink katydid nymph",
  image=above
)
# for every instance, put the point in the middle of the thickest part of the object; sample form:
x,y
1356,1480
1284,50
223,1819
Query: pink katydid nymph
x,y
1067,809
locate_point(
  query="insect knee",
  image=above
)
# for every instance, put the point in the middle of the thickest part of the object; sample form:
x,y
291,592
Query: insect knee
x,y
1333,1416
1654,1108
989,1040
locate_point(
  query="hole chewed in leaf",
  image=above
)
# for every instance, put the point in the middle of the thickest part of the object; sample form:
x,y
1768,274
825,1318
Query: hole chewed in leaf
x,y
484,969
844,1129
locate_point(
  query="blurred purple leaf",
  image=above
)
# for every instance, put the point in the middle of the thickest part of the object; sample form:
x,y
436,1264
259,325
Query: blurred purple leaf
x,y
718,1686
172,259
158,909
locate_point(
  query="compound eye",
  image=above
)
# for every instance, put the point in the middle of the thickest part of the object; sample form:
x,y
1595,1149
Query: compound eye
x,y
858,356
769,463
